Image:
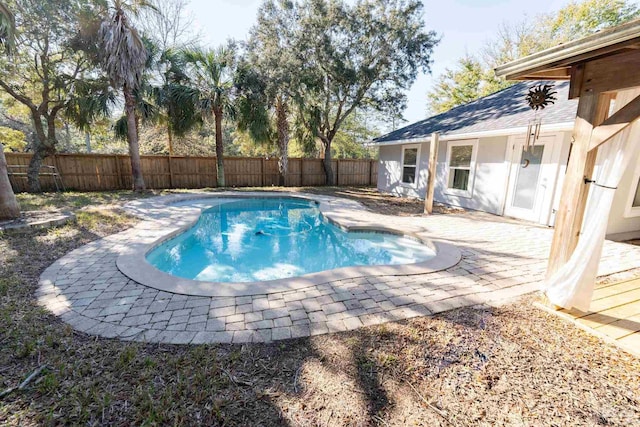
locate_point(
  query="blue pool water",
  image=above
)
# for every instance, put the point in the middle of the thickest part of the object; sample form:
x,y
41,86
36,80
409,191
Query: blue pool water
x,y
264,239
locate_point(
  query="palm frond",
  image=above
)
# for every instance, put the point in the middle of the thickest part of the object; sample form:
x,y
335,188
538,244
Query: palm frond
x,y
7,28
121,128
123,53
92,100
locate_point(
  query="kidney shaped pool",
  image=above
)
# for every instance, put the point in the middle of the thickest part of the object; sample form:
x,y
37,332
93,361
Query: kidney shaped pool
x,y
252,240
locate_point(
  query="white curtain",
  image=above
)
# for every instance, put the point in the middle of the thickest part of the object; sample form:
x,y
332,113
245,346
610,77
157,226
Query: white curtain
x,y
572,285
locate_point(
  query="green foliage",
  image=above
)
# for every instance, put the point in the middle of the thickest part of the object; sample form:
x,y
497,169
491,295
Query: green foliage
x,y
579,19
342,57
211,76
457,86
253,106
12,140
269,76
212,90
349,142
361,56
7,28
46,68
94,100
473,76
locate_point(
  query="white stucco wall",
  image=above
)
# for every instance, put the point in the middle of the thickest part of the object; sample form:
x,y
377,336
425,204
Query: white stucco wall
x,y
490,180
390,171
491,173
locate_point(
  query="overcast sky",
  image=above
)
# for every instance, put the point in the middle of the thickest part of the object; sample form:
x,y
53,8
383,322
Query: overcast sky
x,y
463,24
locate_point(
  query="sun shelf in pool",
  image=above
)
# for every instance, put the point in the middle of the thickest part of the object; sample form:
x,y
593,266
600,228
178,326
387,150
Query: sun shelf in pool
x,y
266,239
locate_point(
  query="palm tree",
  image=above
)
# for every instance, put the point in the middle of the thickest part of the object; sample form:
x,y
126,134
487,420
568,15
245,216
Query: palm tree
x,y
170,93
271,54
9,208
212,75
123,57
94,100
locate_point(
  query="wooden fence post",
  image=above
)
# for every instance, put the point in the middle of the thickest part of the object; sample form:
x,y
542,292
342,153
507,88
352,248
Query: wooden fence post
x,y
370,173
431,181
119,172
215,167
338,172
198,173
301,172
58,171
262,171
170,173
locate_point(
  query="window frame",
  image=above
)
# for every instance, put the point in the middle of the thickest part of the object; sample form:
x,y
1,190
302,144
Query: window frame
x,y
468,193
631,211
417,166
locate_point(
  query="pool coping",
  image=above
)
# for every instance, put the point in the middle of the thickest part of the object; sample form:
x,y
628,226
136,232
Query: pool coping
x,y
343,213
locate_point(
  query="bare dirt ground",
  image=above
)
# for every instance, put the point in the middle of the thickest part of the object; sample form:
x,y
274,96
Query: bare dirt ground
x,y
515,365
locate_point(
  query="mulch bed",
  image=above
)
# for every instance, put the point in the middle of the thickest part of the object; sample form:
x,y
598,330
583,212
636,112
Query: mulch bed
x,y
514,365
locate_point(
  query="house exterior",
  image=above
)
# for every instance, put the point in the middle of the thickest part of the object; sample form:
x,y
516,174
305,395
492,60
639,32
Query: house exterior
x,y
482,164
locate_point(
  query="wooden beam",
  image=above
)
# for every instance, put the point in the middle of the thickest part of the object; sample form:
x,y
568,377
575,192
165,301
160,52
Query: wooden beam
x,y
592,110
612,73
431,181
575,86
616,123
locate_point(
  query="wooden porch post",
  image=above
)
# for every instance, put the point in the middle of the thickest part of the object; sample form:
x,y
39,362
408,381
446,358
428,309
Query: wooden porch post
x,y
593,108
431,180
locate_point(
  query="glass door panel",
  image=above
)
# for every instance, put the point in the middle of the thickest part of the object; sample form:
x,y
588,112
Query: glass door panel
x,y
524,193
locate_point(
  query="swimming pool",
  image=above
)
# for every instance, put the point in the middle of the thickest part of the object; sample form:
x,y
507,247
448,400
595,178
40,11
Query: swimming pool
x,y
261,239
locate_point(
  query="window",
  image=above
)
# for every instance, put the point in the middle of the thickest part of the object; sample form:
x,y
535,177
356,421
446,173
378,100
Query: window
x,y
460,167
410,156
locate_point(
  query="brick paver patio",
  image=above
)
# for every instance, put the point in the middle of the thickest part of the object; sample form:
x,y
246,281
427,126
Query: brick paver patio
x,y
500,260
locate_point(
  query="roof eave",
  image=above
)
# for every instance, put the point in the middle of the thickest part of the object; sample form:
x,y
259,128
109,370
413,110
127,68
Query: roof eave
x,y
555,63
554,127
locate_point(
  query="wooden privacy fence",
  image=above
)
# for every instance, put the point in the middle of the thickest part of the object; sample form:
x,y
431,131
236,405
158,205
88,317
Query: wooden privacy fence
x,y
98,172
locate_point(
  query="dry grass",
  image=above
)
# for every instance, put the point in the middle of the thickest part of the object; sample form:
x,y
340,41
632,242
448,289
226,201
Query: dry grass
x,y
368,196
516,365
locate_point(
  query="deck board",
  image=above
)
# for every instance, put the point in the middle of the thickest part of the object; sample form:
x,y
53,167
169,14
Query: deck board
x,y
614,314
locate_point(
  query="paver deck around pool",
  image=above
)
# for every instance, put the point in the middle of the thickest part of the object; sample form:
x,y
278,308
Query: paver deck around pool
x,y
500,260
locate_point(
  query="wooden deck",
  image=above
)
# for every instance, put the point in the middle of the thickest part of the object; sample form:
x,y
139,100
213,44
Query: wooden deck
x,y
614,314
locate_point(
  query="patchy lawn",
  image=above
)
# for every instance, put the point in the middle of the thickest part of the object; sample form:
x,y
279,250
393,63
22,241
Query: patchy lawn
x,y
368,196
73,200
514,365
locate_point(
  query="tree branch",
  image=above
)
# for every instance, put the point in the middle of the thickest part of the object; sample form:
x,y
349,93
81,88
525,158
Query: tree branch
x,y
18,97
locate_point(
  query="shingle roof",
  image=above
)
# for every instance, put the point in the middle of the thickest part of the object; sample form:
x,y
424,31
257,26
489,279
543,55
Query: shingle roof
x,y
501,110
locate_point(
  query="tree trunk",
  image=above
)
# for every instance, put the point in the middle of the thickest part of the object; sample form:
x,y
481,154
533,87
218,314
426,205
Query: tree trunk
x,y
283,141
39,153
67,135
169,134
132,138
33,171
326,162
9,208
219,147
44,147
